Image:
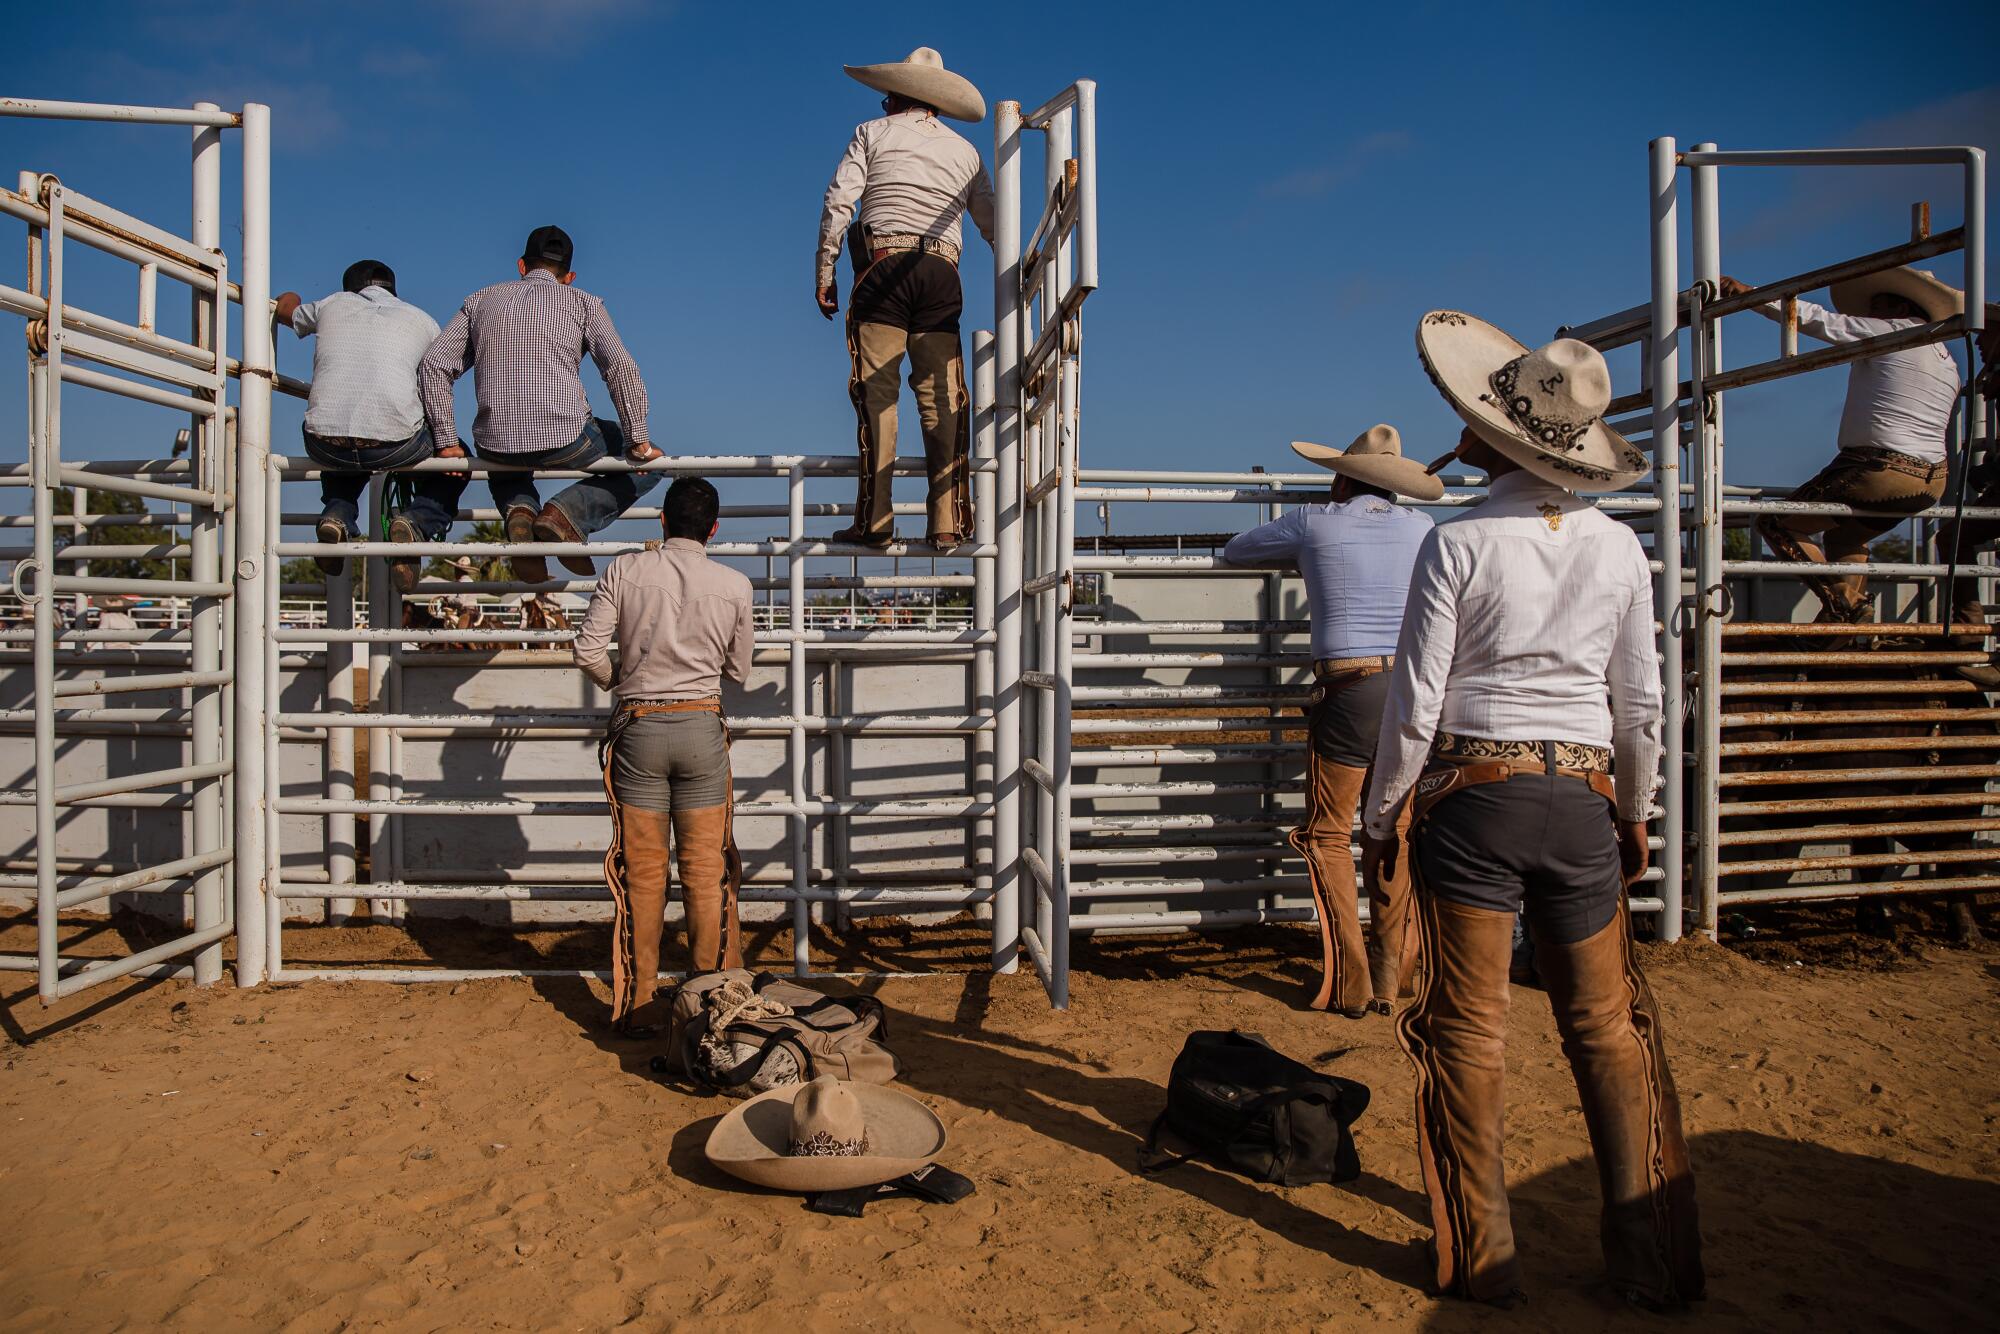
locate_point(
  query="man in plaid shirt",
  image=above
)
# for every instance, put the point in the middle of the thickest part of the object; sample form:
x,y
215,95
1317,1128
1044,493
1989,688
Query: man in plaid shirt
x,y
525,341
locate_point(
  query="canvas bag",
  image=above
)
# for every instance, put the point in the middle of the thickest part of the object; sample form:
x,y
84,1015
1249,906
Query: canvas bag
x,y
742,1032
1252,1109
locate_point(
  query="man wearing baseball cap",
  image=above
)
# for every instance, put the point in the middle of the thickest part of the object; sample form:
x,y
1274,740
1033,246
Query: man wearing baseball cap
x,y
524,341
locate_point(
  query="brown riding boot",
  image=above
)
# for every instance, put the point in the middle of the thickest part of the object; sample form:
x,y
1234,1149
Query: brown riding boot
x,y
1610,1030
1455,1036
1326,841
520,528
641,919
552,525
1392,936
708,888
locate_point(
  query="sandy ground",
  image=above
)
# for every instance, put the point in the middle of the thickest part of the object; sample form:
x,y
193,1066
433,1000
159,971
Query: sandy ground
x,y
330,1156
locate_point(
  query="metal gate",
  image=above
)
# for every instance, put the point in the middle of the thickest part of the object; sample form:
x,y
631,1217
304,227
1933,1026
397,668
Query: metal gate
x,y
185,772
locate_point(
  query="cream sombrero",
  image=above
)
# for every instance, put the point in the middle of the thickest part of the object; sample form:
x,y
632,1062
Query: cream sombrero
x,y
1922,288
1544,408
922,77
1375,457
831,1134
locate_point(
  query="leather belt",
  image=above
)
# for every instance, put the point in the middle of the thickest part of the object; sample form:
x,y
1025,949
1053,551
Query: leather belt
x,y
1325,667
1577,755
881,247
640,708
1441,780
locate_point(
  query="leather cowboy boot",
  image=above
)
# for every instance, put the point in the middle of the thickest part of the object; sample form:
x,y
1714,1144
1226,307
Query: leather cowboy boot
x,y
552,525
1610,1030
1326,841
708,888
641,917
519,525
1455,1036
1392,936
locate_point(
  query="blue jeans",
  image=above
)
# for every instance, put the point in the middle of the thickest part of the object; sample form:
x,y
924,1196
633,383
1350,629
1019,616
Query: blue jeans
x,y
433,502
590,504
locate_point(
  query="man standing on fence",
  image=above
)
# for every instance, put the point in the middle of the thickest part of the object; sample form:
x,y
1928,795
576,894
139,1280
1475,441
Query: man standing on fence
x,y
525,340
1892,428
1355,554
911,178
1526,662
364,415
682,622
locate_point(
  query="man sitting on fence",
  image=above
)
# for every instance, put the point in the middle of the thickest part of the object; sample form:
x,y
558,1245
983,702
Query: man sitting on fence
x,y
1892,428
524,340
365,417
1355,553
1526,663
911,178
682,622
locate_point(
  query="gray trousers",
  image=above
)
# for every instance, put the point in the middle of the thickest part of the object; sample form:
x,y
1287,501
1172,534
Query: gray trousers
x,y
672,762
1539,842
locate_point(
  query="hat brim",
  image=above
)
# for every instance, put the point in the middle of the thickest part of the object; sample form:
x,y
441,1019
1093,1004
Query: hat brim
x,y
952,94
751,1142
1460,352
1938,300
1391,472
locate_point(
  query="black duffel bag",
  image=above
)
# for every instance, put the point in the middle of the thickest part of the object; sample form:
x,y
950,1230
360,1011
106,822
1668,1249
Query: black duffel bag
x,y
1239,1103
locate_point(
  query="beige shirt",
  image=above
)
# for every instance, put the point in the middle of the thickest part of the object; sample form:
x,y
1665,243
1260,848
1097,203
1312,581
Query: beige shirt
x,y
912,176
681,620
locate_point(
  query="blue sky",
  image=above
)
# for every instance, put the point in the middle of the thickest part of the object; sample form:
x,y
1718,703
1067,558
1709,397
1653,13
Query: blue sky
x,y
1285,189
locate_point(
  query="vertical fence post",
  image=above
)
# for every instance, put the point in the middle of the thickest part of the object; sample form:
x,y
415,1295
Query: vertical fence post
x,y
253,555
1705,339
983,700
1007,880
1665,376
799,707
205,454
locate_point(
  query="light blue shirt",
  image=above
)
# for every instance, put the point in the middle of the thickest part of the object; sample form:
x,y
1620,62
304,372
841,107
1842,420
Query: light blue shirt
x,y
1356,559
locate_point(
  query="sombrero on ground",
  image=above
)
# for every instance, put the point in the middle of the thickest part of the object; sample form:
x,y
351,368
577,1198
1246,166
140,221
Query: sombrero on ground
x,y
1936,299
1544,409
1376,458
831,1134
922,77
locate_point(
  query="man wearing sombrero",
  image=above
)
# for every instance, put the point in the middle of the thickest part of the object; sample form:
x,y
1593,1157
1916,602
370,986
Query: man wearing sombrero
x,y
1526,663
1892,428
1355,553
910,177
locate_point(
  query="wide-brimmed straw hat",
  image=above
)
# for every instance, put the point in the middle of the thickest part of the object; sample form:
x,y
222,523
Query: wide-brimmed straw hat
x,y
1544,408
1375,457
1938,300
831,1134
922,77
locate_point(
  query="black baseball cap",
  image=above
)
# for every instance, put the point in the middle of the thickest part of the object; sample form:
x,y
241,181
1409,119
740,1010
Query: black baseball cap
x,y
368,273
549,245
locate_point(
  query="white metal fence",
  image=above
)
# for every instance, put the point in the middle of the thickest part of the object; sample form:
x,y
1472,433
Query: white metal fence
x,y
1177,719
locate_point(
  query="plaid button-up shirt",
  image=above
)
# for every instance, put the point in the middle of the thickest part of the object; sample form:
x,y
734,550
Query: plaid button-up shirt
x,y
525,340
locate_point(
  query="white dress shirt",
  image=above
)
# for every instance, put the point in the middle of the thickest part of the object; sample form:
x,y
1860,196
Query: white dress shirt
x,y
1355,557
364,384
1899,400
911,176
1530,618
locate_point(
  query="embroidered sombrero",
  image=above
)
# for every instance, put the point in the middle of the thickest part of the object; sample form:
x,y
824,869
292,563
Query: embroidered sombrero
x,y
1544,408
922,77
831,1134
1920,287
1375,457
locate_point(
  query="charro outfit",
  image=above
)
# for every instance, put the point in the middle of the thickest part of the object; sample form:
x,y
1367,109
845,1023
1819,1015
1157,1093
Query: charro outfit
x,y
364,415
1892,452
1355,558
682,622
1526,664
525,340
906,179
